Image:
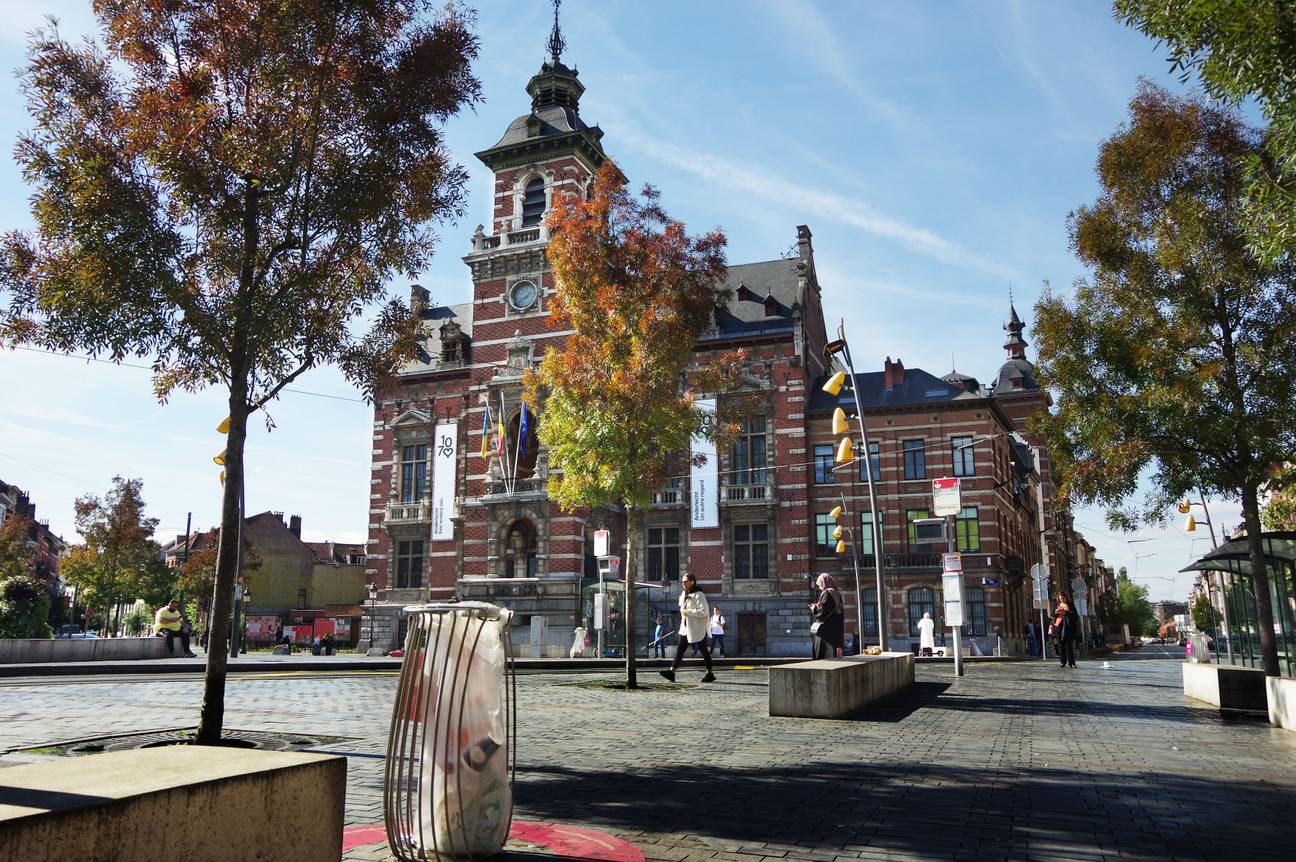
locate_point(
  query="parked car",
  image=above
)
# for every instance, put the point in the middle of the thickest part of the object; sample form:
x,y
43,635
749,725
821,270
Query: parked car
x,y
74,633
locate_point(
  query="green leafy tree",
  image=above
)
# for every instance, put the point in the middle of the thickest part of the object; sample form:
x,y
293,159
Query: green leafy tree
x,y
1203,613
1130,606
24,608
1280,512
227,189
637,290
138,620
1241,49
1175,360
119,561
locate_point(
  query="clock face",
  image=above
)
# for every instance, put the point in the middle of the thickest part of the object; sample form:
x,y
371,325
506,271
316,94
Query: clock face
x,y
522,295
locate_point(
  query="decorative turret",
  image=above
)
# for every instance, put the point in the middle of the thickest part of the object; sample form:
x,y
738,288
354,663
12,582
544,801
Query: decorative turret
x,y
1015,345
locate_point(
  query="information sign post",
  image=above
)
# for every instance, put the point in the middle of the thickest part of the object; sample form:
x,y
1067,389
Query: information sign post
x,y
947,502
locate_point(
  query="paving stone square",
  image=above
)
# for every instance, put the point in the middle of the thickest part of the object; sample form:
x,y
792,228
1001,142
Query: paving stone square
x,y
1015,761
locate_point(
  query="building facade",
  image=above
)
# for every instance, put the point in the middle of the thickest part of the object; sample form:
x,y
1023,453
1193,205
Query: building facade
x,y
46,547
460,511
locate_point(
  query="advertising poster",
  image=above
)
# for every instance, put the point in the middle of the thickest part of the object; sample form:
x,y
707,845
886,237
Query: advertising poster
x,y
445,450
704,485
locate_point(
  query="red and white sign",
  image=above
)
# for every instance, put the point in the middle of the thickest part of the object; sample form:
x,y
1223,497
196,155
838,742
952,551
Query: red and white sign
x,y
953,563
602,539
946,499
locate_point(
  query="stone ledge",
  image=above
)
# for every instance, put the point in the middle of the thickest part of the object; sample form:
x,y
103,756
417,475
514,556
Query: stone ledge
x,y
196,803
1225,686
1281,692
835,688
31,650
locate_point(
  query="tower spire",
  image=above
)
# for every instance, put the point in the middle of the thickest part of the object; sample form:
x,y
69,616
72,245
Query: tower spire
x,y
556,42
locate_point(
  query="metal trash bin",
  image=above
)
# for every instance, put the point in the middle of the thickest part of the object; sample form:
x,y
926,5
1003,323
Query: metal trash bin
x,y
448,786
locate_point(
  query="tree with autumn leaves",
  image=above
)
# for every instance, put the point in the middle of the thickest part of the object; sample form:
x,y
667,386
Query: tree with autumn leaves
x,y
1174,362
615,415
227,189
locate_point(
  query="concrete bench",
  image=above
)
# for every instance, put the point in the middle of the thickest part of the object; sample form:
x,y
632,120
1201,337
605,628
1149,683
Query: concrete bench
x,y
33,650
1225,686
1281,692
187,802
834,688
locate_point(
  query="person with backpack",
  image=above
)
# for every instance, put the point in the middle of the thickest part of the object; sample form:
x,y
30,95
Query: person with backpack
x,y
829,627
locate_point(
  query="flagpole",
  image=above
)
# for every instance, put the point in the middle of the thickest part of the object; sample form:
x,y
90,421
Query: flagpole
x,y
517,448
503,447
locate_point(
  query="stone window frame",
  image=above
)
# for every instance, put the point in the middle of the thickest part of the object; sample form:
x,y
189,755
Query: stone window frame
x,y
520,182
770,541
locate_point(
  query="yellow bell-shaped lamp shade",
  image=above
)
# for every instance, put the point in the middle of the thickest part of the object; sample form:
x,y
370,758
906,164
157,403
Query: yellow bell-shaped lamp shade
x,y
222,478
838,532
840,425
841,547
836,512
223,427
1185,507
845,451
1190,525
834,384
219,460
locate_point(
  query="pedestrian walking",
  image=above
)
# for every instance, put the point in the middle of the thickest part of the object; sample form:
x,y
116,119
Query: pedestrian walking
x,y
717,631
659,639
1066,628
694,614
926,634
829,627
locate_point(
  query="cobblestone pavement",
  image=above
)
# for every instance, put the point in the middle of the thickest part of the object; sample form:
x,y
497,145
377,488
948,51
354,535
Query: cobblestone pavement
x,y
1013,762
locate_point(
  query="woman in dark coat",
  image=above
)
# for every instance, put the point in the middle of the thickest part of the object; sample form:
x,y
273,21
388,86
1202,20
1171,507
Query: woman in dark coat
x,y
830,619
1066,627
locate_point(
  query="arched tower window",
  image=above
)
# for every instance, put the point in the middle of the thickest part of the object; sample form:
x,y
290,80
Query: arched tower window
x,y
533,203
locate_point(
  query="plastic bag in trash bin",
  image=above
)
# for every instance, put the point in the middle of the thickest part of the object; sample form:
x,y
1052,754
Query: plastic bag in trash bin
x,y
464,796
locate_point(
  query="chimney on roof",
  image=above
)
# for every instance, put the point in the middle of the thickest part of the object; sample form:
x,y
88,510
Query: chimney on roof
x,y
805,249
278,515
892,373
294,525
419,298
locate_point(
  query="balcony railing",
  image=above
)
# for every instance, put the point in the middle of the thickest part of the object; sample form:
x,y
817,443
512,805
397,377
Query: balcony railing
x,y
759,493
668,497
523,236
517,237
534,485
409,513
913,561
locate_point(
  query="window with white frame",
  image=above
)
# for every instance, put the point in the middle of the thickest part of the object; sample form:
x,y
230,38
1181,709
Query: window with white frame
x,y
414,473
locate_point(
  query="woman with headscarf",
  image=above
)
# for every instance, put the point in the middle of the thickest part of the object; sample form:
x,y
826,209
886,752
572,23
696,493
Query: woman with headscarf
x,y
829,627
926,634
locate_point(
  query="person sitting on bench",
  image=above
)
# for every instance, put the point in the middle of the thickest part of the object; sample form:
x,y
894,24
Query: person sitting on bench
x,y
169,623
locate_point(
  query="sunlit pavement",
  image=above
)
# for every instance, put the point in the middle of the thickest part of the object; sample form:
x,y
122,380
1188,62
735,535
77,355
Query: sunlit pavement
x,y
1013,761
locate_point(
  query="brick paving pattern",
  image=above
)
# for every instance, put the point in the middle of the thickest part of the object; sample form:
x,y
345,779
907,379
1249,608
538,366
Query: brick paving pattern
x,y
1017,761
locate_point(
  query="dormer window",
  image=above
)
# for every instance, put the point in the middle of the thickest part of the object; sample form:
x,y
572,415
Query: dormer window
x,y
533,203
771,305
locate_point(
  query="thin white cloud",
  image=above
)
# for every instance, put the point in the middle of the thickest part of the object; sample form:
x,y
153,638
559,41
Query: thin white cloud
x,y
1024,44
823,204
810,31
46,413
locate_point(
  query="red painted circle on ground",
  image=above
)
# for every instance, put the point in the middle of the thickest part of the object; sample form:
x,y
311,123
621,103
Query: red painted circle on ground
x,y
570,842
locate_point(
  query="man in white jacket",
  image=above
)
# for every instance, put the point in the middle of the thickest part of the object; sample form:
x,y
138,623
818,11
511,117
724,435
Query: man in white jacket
x,y
694,624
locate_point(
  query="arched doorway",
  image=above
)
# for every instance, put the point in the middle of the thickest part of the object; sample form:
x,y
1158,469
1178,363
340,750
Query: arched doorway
x,y
520,559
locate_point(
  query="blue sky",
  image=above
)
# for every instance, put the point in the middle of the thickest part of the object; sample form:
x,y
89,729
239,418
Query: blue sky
x,y
934,148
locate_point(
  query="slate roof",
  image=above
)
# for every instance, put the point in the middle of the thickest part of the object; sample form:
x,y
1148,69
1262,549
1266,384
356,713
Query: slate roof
x,y
1015,369
917,387
749,284
429,345
555,120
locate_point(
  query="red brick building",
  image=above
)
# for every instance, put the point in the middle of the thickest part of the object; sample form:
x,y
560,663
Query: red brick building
x,y
450,516
46,548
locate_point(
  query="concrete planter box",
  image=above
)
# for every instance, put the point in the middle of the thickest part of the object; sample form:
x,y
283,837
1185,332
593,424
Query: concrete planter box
x,y
835,688
1225,686
191,803
32,650
1281,691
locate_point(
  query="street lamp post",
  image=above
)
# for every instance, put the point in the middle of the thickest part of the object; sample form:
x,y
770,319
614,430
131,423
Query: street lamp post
x,y
833,386
373,599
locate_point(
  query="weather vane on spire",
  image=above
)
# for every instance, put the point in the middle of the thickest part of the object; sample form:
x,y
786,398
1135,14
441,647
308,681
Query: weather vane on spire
x,y
556,43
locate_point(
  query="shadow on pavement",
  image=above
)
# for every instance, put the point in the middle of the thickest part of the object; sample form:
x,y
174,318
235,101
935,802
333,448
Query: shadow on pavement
x,y
925,810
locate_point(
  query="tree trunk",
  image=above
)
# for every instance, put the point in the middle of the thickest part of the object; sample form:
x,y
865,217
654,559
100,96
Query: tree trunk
x,y
1260,581
227,557
632,532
